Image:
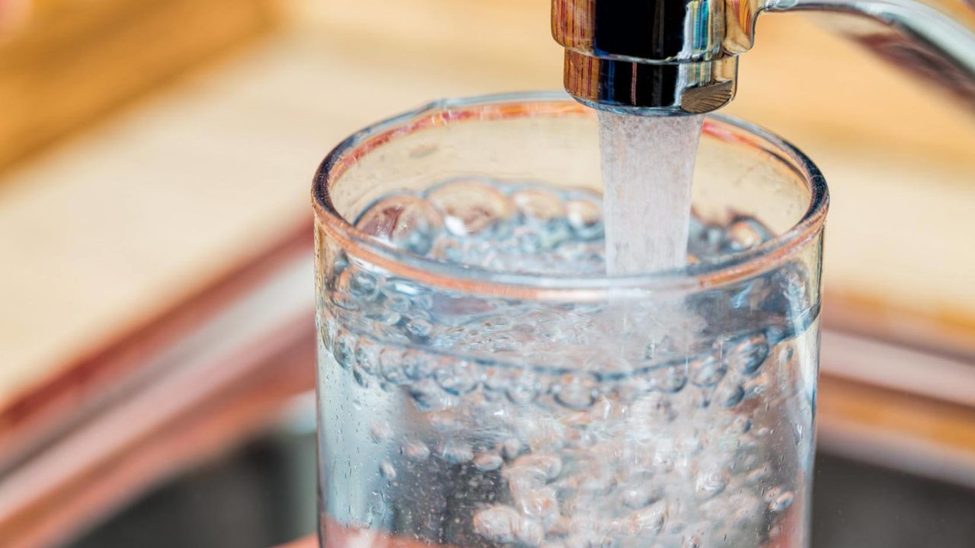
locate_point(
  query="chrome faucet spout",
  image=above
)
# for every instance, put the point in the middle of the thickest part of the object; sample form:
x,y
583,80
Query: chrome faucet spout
x,y
677,57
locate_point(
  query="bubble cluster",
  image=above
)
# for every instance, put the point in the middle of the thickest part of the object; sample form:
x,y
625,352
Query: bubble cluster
x,y
562,424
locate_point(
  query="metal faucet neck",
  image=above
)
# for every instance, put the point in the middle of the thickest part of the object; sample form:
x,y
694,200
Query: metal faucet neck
x,y
678,57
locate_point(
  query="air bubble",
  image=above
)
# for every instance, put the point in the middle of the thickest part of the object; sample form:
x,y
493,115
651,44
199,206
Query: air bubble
x,y
758,476
364,286
398,304
328,331
344,351
487,462
586,218
778,499
416,451
748,356
419,330
599,484
755,386
707,372
512,448
782,502
416,365
741,424
538,204
470,207
387,470
380,431
391,366
640,497
651,520
745,234
548,467
670,379
523,388
457,452
711,482
406,222
428,395
341,295
361,378
575,392
458,379
728,395
367,356
540,503
497,523
529,532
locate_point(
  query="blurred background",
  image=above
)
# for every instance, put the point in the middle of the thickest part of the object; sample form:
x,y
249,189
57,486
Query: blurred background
x,y
156,333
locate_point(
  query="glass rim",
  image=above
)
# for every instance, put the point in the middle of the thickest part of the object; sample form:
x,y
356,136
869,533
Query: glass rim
x,y
470,279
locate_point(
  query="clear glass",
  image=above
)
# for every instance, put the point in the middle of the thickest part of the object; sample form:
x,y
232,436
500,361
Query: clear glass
x,y
481,386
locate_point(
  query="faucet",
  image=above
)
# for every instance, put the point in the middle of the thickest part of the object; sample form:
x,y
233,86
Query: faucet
x,y
678,57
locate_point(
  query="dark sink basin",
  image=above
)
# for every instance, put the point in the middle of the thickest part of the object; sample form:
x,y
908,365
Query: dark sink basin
x,y
263,493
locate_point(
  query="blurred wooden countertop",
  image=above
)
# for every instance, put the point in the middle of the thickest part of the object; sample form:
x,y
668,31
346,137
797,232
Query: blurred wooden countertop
x,y
102,233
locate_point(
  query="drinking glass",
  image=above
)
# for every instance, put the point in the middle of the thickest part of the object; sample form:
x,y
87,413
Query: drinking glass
x,y
482,381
